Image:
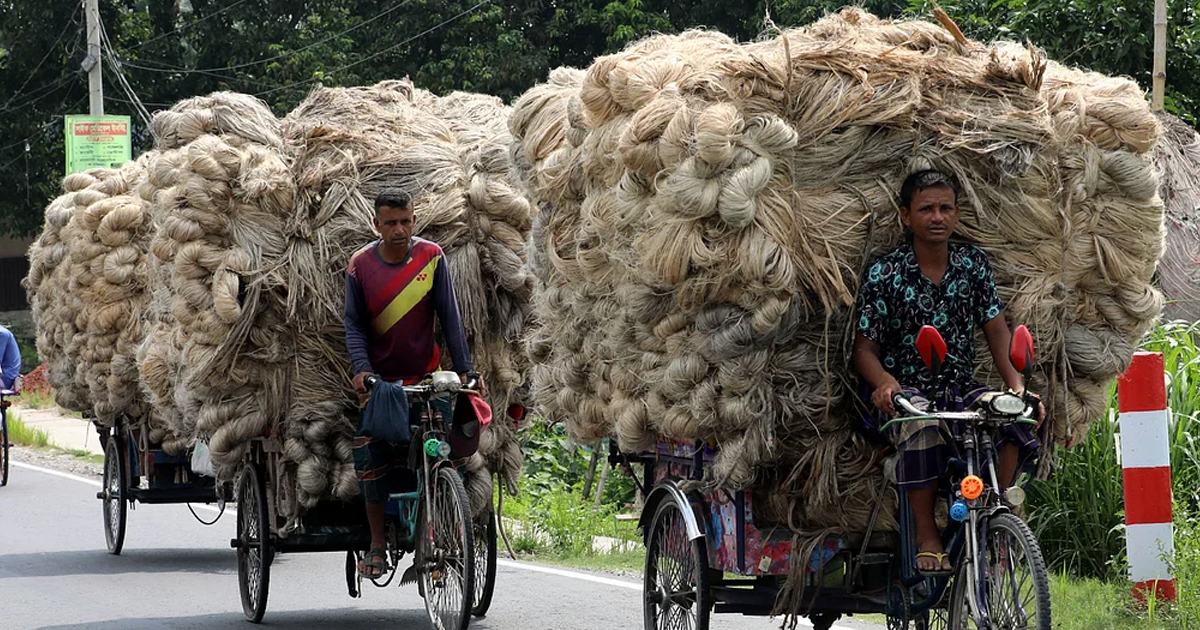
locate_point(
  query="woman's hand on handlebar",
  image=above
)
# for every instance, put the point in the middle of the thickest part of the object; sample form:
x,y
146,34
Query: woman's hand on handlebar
x,y
1041,408
884,394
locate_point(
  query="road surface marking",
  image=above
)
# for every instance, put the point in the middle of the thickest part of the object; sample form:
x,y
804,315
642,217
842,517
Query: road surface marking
x,y
536,568
93,482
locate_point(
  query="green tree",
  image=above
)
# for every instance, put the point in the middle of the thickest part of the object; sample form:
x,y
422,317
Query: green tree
x,y
168,50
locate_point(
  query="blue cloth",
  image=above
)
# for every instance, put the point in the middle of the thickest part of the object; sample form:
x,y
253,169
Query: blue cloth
x,y
386,415
10,358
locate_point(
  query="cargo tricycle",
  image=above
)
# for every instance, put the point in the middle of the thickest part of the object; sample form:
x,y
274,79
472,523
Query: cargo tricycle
x,y
707,552
454,563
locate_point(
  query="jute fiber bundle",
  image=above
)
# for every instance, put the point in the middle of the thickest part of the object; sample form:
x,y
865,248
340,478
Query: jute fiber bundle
x,y
450,153
61,331
708,209
217,358
1178,156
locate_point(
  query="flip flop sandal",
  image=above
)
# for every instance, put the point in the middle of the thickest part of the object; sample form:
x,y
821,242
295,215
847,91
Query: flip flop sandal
x,y
375,560
941,558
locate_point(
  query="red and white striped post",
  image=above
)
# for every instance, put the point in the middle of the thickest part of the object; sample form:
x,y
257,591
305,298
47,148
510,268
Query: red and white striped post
x,y
1146,460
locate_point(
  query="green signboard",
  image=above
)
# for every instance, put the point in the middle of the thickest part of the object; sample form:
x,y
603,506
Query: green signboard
x,y
97,142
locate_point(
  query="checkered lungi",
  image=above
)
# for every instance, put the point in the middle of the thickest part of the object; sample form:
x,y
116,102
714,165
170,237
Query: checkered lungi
x,y
923,453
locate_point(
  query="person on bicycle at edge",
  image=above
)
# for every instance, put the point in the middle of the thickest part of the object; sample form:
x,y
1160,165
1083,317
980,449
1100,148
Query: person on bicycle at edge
x,y
10,359
932,280
394,288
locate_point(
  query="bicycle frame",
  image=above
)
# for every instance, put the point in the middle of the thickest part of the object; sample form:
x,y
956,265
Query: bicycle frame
x,y
977,455
424,395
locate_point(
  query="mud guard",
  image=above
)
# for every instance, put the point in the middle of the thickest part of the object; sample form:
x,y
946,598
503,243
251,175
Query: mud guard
x,y
693,519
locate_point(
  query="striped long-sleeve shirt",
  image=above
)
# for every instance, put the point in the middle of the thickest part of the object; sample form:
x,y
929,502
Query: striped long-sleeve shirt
x,y
390,311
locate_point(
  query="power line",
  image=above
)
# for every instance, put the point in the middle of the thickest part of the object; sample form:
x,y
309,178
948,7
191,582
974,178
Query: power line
x,y
169,69
189,24
115,99
379,53
71,21
40,129
38,94
123,82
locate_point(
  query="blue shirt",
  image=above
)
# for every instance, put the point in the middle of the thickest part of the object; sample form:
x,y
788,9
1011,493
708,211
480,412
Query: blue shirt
x,y
10,358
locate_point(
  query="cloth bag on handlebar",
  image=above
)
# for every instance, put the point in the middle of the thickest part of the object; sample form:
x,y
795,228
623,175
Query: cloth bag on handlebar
x,y
386,415
471,416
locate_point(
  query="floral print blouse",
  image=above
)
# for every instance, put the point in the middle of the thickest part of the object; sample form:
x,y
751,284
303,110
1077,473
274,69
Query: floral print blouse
x,y
896,299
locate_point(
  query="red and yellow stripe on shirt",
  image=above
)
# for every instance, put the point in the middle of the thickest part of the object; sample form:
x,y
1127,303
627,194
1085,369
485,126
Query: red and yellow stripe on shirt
x,y
410,295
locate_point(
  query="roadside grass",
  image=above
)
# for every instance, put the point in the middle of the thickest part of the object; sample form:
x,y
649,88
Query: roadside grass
x,y
35,399
24,435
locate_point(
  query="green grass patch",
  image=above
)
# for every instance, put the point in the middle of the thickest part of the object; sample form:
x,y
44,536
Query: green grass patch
x,y
20,433
633,560
86,456
38,400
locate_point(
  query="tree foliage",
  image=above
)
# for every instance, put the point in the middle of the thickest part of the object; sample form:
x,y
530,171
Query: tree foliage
x,y
281,49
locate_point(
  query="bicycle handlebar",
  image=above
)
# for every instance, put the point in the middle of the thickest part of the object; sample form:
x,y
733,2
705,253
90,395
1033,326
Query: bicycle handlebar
x,y
911,413
426,386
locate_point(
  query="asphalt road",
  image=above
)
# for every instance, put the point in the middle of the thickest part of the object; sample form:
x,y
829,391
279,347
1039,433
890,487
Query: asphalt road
x,y
177,573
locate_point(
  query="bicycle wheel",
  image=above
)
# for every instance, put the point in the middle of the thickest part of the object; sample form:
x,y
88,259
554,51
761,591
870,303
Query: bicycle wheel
x,y
485,562
254,549
1017,587
675,586
446,554
4,450
115,507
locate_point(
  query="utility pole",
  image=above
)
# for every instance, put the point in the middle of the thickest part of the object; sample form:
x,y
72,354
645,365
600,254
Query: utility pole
x,y
92,63
1160,55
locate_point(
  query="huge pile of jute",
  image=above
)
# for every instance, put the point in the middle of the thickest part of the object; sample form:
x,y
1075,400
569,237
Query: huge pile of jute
x,y
200,288
216,361
1178,156
450,153
709,208
86,286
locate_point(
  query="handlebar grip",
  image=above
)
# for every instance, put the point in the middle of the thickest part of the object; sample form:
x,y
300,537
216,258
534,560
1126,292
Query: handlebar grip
x,y
370,380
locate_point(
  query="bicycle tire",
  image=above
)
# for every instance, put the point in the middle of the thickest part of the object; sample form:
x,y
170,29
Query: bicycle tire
x,y
1010,544
446,557
115,507
485,562
4,450
676,573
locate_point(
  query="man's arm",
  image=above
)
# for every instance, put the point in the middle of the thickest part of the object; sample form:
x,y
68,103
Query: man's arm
x,y
446,305
10,365
867,364
999,337
354,316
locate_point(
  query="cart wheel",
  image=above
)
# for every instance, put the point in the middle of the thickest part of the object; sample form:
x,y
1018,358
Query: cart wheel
x,y
676,576
114,503
4,448
254,544
446,556
485,562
